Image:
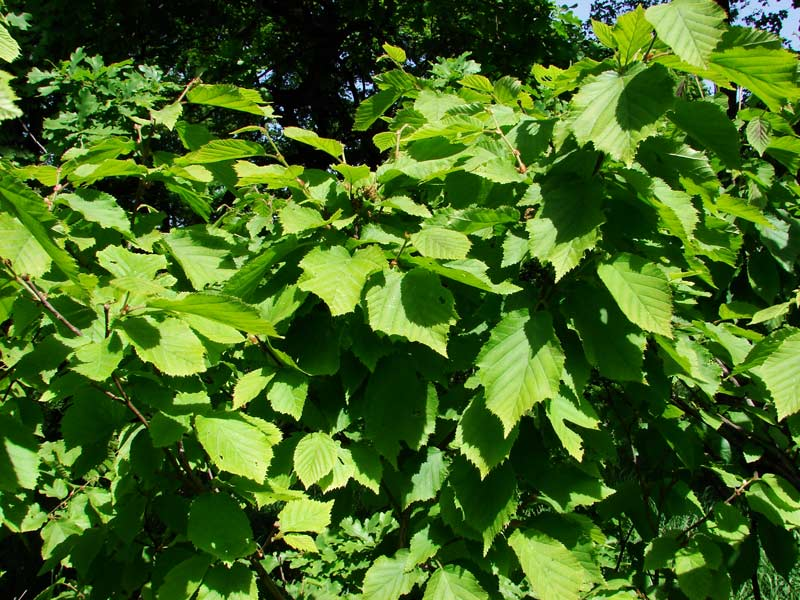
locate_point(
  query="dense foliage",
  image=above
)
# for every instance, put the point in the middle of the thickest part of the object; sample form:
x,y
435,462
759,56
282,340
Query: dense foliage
x,y
548,348
314,59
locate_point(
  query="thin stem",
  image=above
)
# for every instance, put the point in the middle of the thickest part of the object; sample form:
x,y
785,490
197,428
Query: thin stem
x,y
29,133
521,167
38,295
736,493
271,587
189,86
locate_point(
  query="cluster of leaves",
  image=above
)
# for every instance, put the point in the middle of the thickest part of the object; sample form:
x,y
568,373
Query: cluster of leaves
x,y
547,348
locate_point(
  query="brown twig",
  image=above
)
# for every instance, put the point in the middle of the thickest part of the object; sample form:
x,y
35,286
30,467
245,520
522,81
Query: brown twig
x,y
736,493
189,86
271,587
40,297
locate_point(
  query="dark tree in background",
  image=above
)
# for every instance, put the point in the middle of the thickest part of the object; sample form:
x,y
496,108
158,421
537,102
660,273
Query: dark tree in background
x,y
313,58
756,13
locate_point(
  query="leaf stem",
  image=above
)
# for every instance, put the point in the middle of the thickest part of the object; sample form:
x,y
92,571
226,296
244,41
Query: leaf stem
x,y
38,295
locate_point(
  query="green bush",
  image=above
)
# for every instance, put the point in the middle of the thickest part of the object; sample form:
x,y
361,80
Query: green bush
x,y
548,348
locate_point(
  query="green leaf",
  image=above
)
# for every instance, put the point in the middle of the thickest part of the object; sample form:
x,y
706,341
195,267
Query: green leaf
x,y
19,458
611,343
631,33
641,290
400,406
567,224
100,208
18,245
295,218
227,96
336,277
89,173
604,33
372,108
8,99
170,345
29,209
250,385
9,48
182,580
486,506
123,263
236,582
566,408
303,543
769,74
741,209
708,124
329,146
520,365
235,445
221,150
452,582
772,312
759,134
168,115
99,360
786,149
219,308
412,305
314,457
468,271
218,525
398,55
552,570
387,578
438,242
693,28
408,206
204,257
305,515
779,373
427,480
288,393
480,438
616,111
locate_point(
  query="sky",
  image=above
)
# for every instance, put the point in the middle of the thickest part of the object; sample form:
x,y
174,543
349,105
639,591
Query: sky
x,y
790,26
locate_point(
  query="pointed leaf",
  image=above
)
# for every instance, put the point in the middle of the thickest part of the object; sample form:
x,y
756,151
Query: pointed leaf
x,y
780,371
221,150
170,345
218,525
219,308
305,515
553,571
100,208
338,278
616,112
641,290
250,385
227,96
329,146
438,242
315,457
693,28
452,582
708,124
769,74
631,33
413,305
235,445
520,365
480,437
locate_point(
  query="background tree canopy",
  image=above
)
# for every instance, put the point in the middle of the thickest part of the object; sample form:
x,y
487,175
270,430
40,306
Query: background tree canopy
x,y
314,59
